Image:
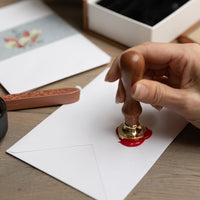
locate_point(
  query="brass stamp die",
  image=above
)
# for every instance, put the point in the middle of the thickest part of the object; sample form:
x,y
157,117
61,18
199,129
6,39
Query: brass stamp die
x,y
131,132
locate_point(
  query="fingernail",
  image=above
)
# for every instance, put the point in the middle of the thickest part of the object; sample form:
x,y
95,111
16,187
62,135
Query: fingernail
x,y
113,74
107,77
159,108
118,99
139,91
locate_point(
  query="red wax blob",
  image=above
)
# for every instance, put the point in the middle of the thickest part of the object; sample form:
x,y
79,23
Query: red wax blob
x,y
135,142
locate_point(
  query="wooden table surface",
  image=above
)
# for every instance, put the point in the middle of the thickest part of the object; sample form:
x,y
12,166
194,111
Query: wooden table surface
x,y
176,174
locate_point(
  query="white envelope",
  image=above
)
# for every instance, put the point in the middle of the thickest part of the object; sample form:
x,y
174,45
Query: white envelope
x,y
38,47
77,144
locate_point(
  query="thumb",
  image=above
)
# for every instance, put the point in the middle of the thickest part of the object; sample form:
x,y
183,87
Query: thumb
x,y
156,93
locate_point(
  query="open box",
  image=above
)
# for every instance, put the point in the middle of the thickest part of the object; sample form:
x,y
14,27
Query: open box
x,y
130,32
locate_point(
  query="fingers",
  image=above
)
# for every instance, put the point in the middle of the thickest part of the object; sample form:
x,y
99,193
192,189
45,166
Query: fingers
x,y
155,93
184,102
171,78
157,56
160,55
113,73
120,96
157,107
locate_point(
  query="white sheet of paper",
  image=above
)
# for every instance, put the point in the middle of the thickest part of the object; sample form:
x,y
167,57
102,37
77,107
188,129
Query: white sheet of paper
x,y
77,144
59,51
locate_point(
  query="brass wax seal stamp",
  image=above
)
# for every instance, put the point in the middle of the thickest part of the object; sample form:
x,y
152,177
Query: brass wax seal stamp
x,y
131,132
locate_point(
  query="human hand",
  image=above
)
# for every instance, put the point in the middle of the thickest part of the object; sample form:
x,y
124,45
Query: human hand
x,y
171,78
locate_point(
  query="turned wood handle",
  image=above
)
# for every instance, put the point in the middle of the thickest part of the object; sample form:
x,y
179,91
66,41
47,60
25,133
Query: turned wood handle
x,y
131,66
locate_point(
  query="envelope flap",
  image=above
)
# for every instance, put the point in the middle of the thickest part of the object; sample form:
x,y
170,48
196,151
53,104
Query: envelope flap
x,y
54,136
70,165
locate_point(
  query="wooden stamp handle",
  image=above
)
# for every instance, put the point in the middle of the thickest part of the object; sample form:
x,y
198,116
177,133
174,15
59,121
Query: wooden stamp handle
x,y
131,66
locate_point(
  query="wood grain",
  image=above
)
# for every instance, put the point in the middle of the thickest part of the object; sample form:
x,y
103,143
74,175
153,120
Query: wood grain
x,y
176,175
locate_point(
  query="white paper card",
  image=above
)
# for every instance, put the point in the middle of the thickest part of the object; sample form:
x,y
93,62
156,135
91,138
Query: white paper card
x,y
78,145
38,47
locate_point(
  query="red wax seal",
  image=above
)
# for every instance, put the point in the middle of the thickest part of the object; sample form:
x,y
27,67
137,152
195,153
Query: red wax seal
x,y
135,142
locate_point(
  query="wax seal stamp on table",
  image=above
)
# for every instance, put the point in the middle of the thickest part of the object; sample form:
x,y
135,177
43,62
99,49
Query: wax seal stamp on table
x,y
131,132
